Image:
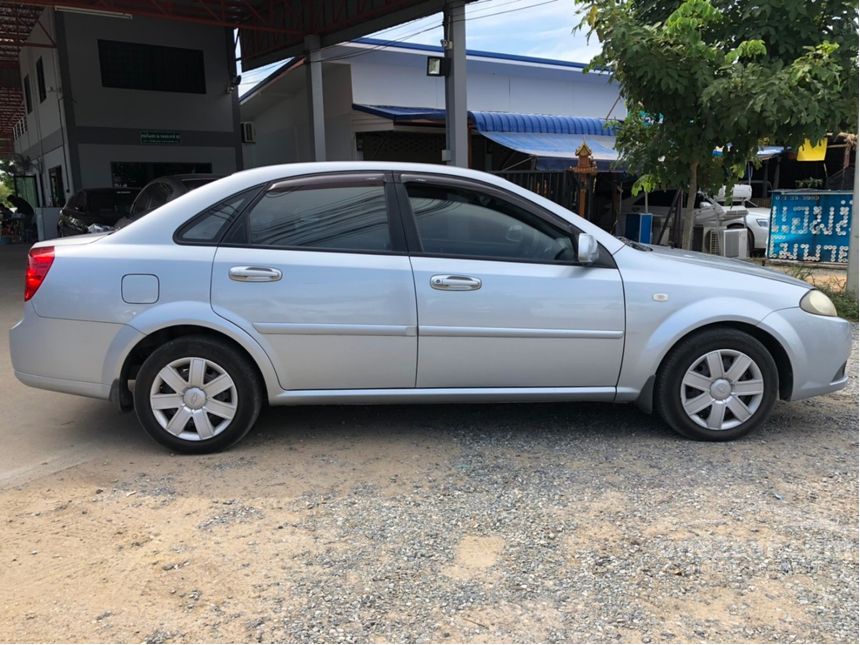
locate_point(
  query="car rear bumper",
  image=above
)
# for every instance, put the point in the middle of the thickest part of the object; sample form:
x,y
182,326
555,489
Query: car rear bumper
x,y
818,348
63,355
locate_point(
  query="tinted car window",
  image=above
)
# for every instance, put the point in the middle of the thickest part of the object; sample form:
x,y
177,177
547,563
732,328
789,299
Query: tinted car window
x,y
124,200
461,222
342,217
209,227
191,184
160,195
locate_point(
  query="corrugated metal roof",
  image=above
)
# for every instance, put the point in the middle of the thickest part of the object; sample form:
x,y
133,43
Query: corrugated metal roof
x,y
540,123
399,114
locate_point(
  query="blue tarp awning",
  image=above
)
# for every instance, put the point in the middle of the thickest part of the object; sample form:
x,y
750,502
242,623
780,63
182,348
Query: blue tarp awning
x,y
552,139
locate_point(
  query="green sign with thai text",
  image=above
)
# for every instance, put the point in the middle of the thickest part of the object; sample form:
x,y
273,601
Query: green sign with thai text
x,y
160,137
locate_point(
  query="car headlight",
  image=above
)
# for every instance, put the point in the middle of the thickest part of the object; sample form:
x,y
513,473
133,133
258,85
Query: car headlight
x,y
816,302
763,223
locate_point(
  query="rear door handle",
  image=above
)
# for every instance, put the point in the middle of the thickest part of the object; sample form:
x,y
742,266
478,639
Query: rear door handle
x,y
255,274
455,283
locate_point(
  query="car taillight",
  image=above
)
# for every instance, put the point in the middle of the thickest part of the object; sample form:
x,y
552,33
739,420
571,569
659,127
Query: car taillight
x,y
39,261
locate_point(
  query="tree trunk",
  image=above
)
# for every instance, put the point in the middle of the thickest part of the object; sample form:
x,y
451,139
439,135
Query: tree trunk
x,y
691,202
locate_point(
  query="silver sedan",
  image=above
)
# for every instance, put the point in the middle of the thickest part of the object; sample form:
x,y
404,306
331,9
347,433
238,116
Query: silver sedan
x,y
365,283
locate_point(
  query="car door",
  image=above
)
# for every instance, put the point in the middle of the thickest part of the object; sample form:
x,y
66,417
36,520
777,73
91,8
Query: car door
x,y
317,269
501,300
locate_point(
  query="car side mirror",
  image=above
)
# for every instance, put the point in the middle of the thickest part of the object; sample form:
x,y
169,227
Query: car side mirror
x,y
587,249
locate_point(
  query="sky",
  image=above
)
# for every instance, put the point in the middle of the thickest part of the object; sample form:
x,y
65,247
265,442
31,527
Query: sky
x,y
543,28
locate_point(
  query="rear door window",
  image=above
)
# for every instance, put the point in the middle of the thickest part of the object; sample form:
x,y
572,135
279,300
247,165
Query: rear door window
x,y
343,215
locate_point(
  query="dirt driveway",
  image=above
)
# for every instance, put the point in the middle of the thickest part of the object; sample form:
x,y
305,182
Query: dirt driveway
x,y
438,523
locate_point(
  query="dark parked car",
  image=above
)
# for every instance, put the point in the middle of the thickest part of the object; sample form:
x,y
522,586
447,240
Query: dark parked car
x,y
95,210
162,190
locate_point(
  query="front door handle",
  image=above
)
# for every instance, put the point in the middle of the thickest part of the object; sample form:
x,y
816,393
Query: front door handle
x,y
455,283
255,274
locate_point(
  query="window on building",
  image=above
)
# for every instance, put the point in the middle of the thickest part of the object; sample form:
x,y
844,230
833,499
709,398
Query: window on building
x,y
339,217
28,98
40,80
58,191
135,66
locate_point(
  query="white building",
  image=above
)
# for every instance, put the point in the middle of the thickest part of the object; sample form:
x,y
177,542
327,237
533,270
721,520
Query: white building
x,y
381,104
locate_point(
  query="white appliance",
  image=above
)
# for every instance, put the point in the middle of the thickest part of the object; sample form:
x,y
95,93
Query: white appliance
x,y
734,243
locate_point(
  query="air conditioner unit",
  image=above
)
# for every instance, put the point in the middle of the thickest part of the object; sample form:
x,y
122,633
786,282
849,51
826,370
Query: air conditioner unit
x,y
735,243
249,134
712,240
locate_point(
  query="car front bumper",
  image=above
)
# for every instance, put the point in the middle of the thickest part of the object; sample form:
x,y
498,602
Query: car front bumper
x,y
818,348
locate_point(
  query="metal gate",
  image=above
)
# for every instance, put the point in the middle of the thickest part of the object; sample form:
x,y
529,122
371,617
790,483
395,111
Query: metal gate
x,y
556,185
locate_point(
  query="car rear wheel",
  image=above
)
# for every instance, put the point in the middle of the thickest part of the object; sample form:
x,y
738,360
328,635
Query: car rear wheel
x,y
197,395
717,385
750,243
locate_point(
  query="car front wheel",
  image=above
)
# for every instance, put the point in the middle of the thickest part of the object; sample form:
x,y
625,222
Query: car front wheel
x,y
717,385
197,395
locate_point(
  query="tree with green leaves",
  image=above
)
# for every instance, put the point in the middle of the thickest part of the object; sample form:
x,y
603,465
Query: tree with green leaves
x,y
6,182
703,75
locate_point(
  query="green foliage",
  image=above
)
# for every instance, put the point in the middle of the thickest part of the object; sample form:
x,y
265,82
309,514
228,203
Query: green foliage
x,y
844,301
6,183
697,75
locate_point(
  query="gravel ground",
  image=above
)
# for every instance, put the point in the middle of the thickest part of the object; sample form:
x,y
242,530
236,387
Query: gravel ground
x,y
446,523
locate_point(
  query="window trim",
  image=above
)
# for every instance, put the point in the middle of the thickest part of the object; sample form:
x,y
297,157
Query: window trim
x,y
414,241
327,180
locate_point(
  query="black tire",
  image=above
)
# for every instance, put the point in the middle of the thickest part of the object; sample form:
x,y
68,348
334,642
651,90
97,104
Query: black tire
x,y
750,243
691,355
245,395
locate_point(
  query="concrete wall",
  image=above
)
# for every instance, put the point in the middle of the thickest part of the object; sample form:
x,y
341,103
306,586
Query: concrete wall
x,y
107,107
282,133
44,141
96,125
283,124
397,78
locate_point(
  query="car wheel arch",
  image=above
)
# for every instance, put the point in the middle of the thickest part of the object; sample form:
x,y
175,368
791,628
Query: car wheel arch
x,y
771,343
155,338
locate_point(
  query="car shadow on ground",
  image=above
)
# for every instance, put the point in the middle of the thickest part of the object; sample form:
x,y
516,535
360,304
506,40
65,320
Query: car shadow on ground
x,y
536,422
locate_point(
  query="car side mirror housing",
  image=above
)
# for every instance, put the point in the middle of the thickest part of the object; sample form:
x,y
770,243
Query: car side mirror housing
x,y
587,249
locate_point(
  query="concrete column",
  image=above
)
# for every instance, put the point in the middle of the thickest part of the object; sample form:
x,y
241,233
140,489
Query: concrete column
x,y
456,116
316,109
851,284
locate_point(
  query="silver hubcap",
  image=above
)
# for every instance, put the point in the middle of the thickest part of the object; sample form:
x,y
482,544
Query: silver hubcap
x,y
193,398
722,389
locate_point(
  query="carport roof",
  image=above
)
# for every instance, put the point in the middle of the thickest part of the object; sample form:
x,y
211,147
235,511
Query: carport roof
x,y
16,24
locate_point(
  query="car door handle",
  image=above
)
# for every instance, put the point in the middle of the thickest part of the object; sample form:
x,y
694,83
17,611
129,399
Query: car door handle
x,y
255,274
455,283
